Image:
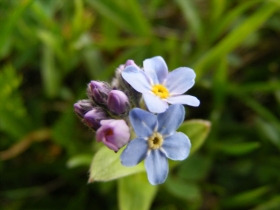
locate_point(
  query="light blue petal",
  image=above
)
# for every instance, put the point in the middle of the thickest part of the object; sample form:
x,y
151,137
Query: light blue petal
x,y
156,165
151,73
169,121
156,68
177,146
143,122
136,78
180,80
154,103
184,99
135,152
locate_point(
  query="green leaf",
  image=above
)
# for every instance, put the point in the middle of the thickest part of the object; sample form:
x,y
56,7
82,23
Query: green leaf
x,y
231,16
182,189
51,75
258,108
131,19
106,166
199,165
135,192
217,8
220,84
197,131
190,13
263,87
272,204
138,18
52,41
79,160
245,198
236,37
269,131
238,148
8,25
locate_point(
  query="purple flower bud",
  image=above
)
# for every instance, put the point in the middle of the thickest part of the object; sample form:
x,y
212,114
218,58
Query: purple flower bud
x,y
118,102
82,107
98,91
113,133
130,62
93,117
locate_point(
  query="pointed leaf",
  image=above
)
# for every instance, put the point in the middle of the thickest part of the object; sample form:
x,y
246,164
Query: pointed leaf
x,y
238,148
79,160
197,131
106,165
51,75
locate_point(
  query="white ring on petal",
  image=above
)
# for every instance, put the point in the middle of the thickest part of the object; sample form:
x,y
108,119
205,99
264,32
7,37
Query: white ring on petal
x,y
154,103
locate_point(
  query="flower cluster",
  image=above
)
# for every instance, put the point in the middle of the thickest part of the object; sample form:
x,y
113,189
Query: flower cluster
x,y
114,111
103,112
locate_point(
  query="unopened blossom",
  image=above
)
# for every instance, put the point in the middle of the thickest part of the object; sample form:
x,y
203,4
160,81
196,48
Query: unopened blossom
x,y
113,133
93,117
118,102
82,107
98,91
129,63
156,141
160,88
117,80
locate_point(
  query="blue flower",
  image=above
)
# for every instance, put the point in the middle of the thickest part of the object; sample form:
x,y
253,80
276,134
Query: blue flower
x,y
156,141
160,88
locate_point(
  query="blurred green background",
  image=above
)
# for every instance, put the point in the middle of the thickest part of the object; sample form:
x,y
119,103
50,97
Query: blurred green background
x,y
51,49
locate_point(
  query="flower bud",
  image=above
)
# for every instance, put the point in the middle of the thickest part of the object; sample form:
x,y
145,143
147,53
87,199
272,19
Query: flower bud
x,y
118,102
113,133
93,117
82,107
118,80
98,91
129,62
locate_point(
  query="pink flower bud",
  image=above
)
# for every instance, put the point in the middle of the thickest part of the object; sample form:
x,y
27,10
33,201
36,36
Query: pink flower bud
x,y
98,91
113,133
130,62
93,117
118,102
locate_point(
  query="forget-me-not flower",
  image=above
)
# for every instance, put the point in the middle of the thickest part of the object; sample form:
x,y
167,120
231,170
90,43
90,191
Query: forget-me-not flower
x,y
156,141
160,88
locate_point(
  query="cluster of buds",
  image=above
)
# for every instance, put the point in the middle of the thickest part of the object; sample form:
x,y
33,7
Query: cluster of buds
x,y
106,111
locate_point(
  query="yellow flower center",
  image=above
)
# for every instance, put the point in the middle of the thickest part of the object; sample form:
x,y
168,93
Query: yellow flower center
x,y
160,91
155,141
